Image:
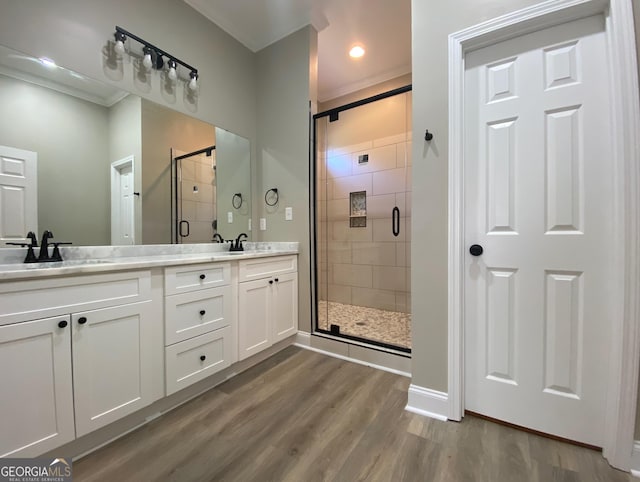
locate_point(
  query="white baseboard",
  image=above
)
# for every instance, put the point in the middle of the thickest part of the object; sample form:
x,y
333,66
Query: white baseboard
x,y
427,402
635,459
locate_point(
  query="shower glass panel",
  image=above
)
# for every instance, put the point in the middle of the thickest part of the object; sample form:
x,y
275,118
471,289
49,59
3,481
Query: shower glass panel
x,y
363,221
194,186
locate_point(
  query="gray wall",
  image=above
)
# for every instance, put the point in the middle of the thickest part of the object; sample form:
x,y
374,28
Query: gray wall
x,y
70,137
284,92
431,23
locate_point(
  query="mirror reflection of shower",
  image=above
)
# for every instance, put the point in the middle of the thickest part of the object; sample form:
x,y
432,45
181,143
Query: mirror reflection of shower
x,y
194,187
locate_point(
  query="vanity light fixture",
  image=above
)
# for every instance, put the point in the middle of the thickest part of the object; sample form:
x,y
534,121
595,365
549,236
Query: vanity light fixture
x,y
153,57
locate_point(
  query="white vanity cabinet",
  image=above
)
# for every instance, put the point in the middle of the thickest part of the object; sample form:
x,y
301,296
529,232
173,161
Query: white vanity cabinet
x,y
112,364
36,401
267,303
200,322
98,332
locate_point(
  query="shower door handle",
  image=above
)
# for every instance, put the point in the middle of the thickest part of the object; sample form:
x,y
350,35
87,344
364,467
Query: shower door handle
x,y
395,221
181,225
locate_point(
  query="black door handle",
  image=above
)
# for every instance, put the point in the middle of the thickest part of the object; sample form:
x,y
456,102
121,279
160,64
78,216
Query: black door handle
x,y
82,320
476,250
203,358
395,221
62,324
181,225
202,312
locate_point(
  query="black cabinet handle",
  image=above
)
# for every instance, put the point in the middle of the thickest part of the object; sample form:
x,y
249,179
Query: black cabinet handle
x,y
395,221
203,358
476,250
82,320
203,276
62,324
276,280
270,281
202,312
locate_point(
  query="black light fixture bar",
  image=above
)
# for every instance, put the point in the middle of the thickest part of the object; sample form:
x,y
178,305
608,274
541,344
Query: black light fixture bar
x,y
158,51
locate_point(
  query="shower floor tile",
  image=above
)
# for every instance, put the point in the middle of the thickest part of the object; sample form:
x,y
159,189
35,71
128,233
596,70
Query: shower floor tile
x,y
390,327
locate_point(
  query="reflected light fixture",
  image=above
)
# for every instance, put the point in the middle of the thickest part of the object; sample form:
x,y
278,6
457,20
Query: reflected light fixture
x,y
153,57
193,83
172,74
146,61
356,52
48,63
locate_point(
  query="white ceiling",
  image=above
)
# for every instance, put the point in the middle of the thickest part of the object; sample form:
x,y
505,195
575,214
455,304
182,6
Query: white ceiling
x,y
383,27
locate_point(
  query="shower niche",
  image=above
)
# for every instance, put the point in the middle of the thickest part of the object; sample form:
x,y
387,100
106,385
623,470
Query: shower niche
x,y
358,209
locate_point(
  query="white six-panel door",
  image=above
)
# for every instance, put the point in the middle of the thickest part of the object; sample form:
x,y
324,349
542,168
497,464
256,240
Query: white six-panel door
x,y
18,194
538,200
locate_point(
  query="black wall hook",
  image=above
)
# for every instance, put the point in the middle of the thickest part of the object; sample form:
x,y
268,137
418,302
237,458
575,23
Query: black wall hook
x,y
428,135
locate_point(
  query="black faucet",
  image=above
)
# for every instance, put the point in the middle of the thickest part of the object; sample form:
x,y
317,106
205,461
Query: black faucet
x,y
217,238
238,244
31,256
44,246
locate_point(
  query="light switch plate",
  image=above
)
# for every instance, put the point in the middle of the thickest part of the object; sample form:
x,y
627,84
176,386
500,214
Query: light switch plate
x,y
230,217
263,224
288,214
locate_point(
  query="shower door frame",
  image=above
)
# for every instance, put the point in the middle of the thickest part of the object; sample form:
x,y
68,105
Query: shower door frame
x,y
314,217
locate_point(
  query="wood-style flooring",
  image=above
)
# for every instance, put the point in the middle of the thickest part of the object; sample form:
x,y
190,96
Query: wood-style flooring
x,y
301,416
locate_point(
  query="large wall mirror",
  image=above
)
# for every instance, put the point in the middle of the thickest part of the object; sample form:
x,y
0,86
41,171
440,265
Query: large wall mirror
x,y
99,166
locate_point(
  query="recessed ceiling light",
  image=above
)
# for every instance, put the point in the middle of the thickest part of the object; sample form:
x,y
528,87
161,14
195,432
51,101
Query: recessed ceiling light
x,y
48,62
356,52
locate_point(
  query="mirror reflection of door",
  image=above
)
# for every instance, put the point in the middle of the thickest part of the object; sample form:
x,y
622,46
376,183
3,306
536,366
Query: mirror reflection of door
x,y
195,203
123,202
18,194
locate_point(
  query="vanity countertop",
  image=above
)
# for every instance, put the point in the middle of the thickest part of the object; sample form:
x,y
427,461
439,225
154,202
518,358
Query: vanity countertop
x,y
90,259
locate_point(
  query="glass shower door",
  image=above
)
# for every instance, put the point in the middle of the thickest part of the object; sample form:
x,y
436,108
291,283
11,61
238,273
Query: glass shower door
x,y
363,222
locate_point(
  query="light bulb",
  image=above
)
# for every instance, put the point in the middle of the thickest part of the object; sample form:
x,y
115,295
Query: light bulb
x,y
119,47
193,83
172,74
146,62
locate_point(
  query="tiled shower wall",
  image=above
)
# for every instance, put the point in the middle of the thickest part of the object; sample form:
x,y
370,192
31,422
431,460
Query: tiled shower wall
x,y
365,266
199,207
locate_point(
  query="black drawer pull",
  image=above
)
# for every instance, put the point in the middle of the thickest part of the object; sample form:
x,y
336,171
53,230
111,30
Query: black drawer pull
x,y
82,320
203,276
62,324
203,358
202,312
276,280
270,281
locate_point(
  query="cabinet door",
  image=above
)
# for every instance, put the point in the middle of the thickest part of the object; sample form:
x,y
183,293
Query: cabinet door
x,y
36,405
254,317
112,364
285,306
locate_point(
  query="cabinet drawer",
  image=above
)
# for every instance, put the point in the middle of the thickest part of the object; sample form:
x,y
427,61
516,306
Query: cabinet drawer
x,y
29,299
251,269
196,277
192,314
195,359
